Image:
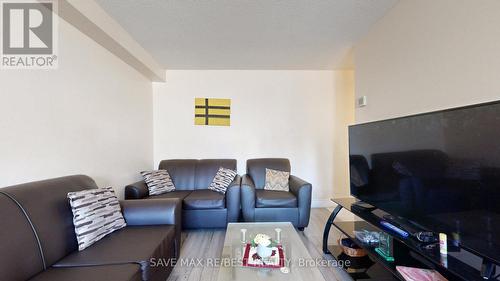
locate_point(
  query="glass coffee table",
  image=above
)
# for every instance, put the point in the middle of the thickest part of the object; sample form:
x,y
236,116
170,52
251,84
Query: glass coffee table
x,y
298,264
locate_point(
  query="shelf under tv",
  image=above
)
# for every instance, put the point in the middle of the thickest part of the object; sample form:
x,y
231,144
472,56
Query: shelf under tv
x,y
406,251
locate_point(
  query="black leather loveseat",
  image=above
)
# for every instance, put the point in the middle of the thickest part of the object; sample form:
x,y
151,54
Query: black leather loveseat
x,y
202,207
38,241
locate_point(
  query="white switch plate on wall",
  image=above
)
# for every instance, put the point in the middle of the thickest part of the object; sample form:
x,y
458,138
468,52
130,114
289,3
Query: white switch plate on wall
x,y
362,101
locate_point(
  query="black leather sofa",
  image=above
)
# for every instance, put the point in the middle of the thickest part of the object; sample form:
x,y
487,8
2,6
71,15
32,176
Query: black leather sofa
x,y
201,207
38,241
259,205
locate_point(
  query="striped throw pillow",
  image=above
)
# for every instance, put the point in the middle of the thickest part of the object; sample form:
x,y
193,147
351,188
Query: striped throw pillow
x,y
222,180
96,213
158,182
277,180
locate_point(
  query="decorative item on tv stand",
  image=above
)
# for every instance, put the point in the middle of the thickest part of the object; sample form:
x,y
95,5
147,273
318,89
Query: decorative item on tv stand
x,y
350,248
384,248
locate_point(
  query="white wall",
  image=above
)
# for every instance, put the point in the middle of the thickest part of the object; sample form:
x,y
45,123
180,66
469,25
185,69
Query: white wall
x,y
344,116
288,114
427,55
93,115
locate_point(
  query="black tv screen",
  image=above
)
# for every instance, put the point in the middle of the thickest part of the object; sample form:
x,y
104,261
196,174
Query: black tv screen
x,y
440,170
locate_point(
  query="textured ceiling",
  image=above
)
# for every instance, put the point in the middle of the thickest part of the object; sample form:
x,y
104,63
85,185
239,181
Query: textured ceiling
x,y
248,34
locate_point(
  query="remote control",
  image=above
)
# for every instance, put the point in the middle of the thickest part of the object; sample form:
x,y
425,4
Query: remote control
x,y
394,228
401,223
426,236
362,206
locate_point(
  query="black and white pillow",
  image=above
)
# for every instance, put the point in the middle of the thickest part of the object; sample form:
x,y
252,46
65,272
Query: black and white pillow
x,y
222,180
96,213
158,182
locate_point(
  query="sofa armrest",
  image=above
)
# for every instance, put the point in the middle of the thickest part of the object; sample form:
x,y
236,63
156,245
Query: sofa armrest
x,y
165,211
248,198
151,211
137,190
302,190
233,200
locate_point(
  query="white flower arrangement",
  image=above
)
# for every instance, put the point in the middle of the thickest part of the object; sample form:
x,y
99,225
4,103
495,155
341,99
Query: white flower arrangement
x,y
262,239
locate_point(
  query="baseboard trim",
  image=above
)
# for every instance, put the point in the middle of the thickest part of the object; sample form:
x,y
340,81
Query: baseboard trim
x,y
322,203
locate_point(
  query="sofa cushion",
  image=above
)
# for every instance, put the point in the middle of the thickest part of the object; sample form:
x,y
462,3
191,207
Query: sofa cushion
x,y
207,168
256,168
125,272
181,194
20,256
132,244
158,182
50,213
204,199
182,172
96,213
274,199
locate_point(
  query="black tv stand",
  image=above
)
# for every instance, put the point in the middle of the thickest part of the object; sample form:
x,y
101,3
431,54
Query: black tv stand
x,y
406,251
363,207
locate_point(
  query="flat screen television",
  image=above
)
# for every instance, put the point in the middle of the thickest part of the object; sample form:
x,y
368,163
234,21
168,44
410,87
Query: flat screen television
x,y
438,170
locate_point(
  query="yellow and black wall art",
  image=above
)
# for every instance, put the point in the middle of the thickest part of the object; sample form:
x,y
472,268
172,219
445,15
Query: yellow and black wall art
x,y
212,112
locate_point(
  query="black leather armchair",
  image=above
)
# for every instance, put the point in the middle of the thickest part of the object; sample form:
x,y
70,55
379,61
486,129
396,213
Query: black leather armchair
x,y
261,205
